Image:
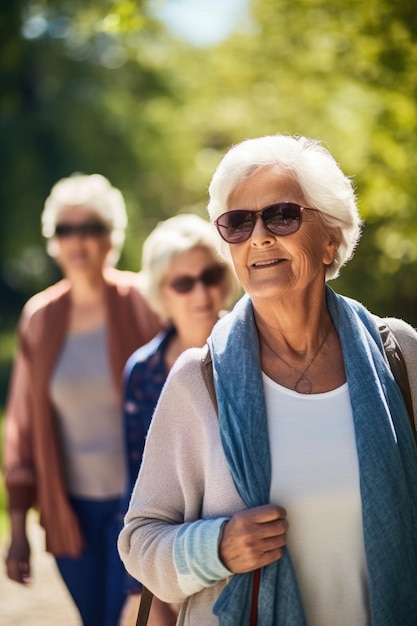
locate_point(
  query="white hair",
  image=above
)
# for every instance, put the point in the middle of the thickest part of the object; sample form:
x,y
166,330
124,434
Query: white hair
x,y
172,237
95,193
323,184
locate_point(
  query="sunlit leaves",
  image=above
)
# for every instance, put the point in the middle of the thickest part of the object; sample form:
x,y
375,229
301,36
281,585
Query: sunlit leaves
x,y
346,73
100,85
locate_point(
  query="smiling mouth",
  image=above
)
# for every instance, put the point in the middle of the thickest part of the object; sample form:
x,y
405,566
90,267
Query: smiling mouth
x,y
260,264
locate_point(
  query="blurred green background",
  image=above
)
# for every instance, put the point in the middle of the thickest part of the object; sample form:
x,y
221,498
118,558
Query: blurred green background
x,y
106,86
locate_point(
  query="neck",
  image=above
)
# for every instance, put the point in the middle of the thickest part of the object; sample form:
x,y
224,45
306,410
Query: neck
x,y
294,321
296,337
87,291
194,337
291,345
302,383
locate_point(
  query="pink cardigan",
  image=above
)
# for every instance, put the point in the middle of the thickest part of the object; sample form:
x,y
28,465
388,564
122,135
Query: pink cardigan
x,y
32,457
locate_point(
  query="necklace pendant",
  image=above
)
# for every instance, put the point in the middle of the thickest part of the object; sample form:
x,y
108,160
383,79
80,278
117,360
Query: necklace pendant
x,y
303,385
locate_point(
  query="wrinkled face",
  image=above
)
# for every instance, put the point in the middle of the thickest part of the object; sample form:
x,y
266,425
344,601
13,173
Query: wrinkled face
x,y
271,265
202,302
82,242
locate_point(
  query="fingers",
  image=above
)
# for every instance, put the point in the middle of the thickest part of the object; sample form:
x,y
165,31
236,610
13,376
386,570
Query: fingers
x,y
253,538
18,571
263,514
17,560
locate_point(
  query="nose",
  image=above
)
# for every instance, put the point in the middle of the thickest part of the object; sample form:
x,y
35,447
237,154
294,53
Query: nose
x,y
200,287
260,234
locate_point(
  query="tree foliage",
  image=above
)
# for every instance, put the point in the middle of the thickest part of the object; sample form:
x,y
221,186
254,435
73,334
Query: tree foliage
x,y
80,92
345,73
102,86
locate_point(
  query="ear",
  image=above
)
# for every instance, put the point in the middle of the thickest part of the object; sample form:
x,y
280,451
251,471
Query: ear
x,y
331,246
329,253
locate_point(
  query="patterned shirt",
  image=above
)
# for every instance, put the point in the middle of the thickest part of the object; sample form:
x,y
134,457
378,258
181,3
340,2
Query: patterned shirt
x,y
144,376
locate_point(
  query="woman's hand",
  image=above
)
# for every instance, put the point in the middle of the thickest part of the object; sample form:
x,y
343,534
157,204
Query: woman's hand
x,y
253,538
17,561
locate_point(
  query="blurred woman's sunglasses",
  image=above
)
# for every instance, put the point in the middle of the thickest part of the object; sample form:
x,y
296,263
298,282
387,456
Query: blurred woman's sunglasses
x,y
64,230
210,277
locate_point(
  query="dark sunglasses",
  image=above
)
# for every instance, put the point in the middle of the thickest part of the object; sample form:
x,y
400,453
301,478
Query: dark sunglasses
x,y
87,229
282,218
209,277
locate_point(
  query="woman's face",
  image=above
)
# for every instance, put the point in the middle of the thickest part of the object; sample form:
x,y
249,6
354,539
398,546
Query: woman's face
x,y
270,265
82,241
202,303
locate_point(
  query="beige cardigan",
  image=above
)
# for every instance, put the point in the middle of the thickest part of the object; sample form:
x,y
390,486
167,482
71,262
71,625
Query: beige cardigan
x,y
32,458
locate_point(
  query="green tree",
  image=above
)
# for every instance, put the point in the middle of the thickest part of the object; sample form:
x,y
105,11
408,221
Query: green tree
x,y
100,86
85,86
343,72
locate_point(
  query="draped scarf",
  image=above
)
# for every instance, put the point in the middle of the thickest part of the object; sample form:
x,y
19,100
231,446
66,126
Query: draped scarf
x,y
387,466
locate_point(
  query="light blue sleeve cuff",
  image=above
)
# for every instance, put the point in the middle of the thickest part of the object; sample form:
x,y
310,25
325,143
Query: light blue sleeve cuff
x,y
196,554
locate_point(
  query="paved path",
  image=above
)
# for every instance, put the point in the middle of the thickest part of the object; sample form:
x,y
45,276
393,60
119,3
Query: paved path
x,y
46,602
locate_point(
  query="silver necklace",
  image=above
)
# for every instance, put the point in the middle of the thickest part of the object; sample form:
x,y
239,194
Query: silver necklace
x,y
303,384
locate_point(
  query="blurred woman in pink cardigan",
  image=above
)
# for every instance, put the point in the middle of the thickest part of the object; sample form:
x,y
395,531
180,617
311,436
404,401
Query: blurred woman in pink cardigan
x,y
63,442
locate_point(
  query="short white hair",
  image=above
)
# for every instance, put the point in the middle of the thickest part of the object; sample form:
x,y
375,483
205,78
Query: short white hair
x,y
172,237
95,193
323,184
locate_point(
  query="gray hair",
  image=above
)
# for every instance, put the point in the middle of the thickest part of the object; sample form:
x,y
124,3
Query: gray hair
x,y
174,236
321,181
95,193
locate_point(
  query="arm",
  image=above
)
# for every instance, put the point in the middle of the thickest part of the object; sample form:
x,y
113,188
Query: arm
x,y
184,493
18,467
186,527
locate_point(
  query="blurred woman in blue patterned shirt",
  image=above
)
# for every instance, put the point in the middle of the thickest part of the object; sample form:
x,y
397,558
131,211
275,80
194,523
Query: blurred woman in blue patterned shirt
x,y
189,286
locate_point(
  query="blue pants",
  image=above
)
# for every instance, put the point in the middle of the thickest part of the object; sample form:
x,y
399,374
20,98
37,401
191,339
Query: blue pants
x,y
96,580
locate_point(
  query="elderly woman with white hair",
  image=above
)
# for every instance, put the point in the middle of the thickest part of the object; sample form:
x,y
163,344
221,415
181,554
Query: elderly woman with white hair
x,y
292,499
63,435
189,286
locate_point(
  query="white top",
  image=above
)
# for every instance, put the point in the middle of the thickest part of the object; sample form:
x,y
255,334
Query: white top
x,y
315,477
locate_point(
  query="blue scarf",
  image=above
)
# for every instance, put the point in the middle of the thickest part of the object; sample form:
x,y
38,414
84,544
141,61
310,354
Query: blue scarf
x,y
387,466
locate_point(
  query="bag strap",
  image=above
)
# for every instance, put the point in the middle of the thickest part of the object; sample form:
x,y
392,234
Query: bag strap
x,y
144,607
398,368
207,371
253,618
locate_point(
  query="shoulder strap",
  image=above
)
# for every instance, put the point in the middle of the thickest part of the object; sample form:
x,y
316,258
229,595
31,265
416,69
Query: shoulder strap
x,y
207,371
144,607
398,368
